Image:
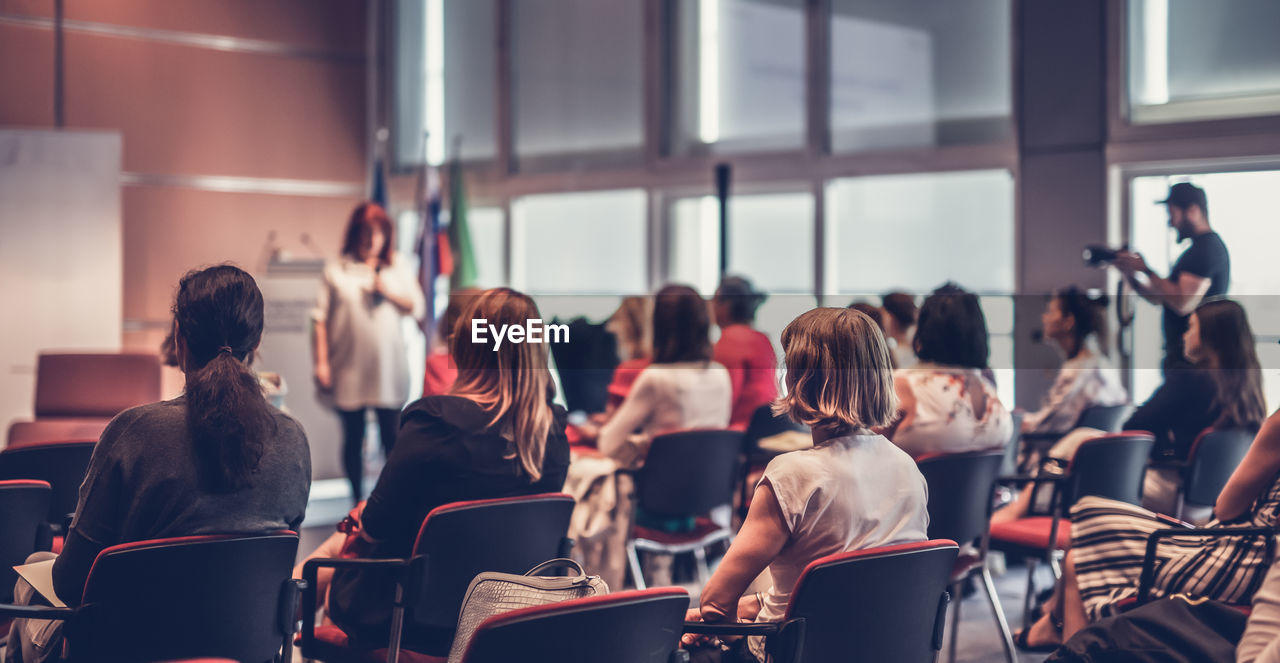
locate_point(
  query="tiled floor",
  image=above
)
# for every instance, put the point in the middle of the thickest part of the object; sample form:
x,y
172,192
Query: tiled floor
x,y
979,641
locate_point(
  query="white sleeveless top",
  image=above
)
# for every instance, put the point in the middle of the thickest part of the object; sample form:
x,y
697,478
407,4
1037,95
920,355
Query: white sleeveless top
x,y
851,493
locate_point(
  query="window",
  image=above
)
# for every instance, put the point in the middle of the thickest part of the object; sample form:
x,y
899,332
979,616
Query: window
x,y
771,243
577,71
912,233
1189,59
919,74
1234,203
445,71
740,69
576,252
488,244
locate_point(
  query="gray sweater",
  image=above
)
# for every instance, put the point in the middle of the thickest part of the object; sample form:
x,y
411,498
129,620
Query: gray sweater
x,y
144,483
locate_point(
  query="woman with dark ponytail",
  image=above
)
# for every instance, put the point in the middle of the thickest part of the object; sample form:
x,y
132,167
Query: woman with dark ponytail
x,y
218,459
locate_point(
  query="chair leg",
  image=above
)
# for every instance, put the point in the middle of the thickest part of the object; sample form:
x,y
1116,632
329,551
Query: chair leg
x,y
633,560
704,573
1006,638
1055,566
957,597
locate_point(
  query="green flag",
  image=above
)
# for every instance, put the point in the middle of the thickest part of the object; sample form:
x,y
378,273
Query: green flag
x,y
464,259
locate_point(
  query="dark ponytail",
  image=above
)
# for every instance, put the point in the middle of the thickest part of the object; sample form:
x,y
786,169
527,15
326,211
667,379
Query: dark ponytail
x,y
219,319
1090,315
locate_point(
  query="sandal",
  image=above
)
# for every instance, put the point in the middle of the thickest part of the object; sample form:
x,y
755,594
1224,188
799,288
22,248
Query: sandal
x,y
1020,641
1020,638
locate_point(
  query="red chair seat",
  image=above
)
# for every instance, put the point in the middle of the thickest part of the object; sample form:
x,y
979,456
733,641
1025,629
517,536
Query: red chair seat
x,y
966,563
702,528
337,641
1032,532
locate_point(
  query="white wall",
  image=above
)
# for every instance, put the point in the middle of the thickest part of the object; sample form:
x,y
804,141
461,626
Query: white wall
x,y
60,252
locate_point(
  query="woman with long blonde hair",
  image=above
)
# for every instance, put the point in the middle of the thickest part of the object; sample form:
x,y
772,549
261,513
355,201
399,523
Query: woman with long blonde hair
x,y
496,433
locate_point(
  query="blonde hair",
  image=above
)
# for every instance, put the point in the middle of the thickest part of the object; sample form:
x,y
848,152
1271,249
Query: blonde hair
x,y
513,382
631,324
839,372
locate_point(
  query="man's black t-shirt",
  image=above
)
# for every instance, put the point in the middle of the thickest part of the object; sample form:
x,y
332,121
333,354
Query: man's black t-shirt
x,y
1207,258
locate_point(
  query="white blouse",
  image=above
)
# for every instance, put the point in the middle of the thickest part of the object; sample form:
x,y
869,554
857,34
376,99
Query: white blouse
x,y
368,358
1084,381
666,398
944,420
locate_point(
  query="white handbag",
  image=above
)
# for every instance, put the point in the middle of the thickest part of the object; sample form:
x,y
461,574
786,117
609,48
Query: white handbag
x,y
495,593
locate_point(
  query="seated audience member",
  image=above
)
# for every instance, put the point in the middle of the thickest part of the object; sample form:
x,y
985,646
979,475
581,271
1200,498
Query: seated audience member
x,y
440,370
1109,539
630,326
873,312
1222,389
682,388
1077,325
494,434
747,353
218,459
899,325
947,402
854,489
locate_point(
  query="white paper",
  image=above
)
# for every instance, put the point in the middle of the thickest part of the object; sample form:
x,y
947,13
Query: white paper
x,y
40,576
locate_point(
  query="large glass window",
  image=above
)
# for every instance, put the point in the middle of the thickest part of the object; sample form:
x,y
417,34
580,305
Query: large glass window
x,y
770,243
577,70
733,93
575,252
446,67
1234,203
917,74
912,233
1190,59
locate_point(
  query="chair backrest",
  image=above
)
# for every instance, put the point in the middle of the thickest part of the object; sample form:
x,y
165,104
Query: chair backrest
x,y
689,473
1111,465
764,423
1107,418
878,604
61,464
95,384
1214,456
463,539
960,487
624,627
23,505
22,433
219,596
1010,463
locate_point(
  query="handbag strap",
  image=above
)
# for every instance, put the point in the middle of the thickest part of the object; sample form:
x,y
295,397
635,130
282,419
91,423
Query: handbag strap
x,y
561,562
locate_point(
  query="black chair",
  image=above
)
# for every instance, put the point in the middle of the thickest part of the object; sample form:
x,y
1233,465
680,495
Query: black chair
x,y
878,604
214,596
624,627
456,542
1214,456
1107,418
763,424
62,464
1111,466
685,475
1010,463
960,489
23,505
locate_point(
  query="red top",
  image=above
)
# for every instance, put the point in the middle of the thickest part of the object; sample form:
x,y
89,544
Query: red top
x,y
440,373
753,371
623,377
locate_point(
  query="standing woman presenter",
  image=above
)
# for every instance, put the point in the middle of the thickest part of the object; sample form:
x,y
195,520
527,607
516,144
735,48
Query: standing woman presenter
x,y
360,355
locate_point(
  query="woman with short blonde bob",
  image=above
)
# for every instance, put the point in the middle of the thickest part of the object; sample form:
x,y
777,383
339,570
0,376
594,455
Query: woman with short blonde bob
x,y
854,489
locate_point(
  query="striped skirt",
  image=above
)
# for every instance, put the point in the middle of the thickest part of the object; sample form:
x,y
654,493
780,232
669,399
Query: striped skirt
x,y
1109,540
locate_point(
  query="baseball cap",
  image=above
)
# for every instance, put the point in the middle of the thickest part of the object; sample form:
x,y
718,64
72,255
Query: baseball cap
x,y
1185,194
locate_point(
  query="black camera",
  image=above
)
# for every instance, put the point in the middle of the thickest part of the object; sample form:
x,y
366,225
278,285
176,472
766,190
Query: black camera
x,y
1096,255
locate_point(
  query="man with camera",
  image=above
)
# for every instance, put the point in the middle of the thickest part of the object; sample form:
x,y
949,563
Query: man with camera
x,y
1203,270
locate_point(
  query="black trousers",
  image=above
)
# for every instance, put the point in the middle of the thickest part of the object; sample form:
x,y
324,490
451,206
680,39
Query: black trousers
x,y
353,429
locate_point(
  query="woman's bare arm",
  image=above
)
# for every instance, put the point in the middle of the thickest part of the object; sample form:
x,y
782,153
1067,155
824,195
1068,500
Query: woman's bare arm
x,y
1254,475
